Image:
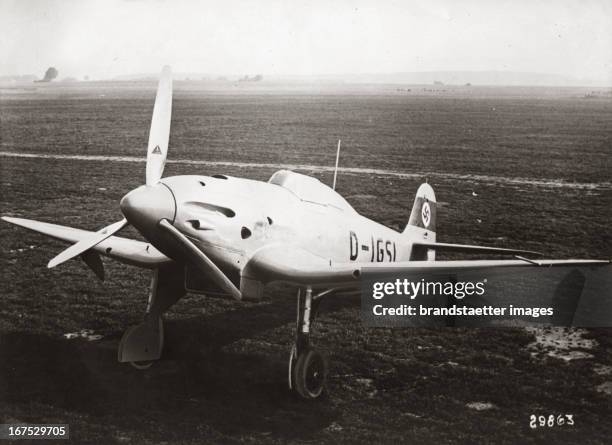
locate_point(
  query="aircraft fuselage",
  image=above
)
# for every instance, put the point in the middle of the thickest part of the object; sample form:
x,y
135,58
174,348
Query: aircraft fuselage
x,y
230,218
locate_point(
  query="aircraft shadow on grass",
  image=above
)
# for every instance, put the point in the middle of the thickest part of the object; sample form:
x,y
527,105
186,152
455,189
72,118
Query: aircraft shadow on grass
x,y
196,382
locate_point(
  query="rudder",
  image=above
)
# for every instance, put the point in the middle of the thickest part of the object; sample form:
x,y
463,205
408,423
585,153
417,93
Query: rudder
x,y
422,224
423,213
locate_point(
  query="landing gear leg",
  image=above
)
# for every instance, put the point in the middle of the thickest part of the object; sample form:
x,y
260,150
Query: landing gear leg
x,y
307,367
142,344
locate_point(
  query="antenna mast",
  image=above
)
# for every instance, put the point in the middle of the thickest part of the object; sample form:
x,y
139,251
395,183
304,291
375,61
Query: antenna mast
x,y
337,159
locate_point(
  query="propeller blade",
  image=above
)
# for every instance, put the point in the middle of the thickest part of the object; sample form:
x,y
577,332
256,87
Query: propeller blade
x,y
87,243
94,262
203,263
159,133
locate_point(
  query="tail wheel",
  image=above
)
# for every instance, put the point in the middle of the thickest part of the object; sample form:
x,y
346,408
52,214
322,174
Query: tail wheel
x,y
310,374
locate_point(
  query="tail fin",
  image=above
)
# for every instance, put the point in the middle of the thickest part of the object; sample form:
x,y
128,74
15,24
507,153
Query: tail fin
x,y
424,212
422,223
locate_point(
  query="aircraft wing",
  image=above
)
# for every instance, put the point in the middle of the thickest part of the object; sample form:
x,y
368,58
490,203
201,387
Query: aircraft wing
x,y
301,267
295,265
467,248
134,252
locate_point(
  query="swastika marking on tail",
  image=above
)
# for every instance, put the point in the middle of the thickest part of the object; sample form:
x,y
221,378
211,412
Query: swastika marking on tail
x,y
426,214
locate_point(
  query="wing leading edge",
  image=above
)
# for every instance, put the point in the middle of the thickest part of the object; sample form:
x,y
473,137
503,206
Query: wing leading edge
x,y
468,248
279,263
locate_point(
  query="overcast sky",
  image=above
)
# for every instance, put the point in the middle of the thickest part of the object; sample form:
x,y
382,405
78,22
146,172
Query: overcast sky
x,y
114,37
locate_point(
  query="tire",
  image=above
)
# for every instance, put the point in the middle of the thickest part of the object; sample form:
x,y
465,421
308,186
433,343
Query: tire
x,y
142,366
310,374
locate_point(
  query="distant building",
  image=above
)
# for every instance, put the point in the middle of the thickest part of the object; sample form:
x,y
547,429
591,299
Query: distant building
x,y
246,78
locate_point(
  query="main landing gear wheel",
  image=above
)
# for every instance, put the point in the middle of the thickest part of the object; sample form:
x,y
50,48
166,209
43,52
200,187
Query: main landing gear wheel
x,y
307,367
142,366
310,374
142,345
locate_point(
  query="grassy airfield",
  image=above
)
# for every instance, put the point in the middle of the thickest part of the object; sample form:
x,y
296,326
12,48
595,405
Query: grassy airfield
x,y
511,167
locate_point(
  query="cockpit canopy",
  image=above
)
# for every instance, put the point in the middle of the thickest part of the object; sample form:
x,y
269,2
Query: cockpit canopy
x,y
309,189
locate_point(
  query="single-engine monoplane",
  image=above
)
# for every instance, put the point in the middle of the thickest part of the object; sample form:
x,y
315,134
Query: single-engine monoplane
x,y
232,236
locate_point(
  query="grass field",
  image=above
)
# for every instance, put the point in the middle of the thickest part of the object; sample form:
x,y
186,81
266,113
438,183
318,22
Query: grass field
x,y
528,168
